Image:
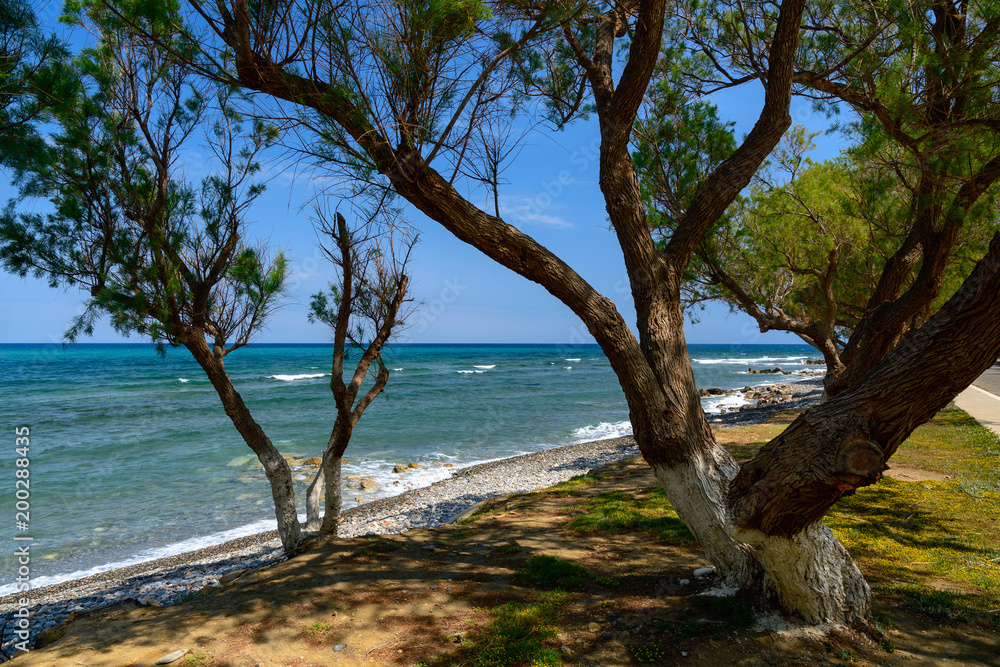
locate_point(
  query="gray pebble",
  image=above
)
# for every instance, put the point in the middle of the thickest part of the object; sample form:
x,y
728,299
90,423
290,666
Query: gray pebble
x,y
170,657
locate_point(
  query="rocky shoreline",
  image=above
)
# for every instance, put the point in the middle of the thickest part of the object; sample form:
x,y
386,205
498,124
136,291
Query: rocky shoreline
x,y
170,580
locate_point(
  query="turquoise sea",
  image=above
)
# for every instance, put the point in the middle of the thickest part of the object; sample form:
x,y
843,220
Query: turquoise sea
x,y
132,457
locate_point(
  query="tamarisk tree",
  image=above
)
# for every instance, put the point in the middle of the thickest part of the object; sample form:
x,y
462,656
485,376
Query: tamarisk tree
x,y
805,250
159,256
399,83
363,310
32,78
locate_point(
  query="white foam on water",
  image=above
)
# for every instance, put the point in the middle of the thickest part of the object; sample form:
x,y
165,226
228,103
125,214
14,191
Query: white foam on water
x,y
181,547
293,378
602,431
486,367
183,380
753,360
390,483
713,405
569,368
397,369
465,372
571,360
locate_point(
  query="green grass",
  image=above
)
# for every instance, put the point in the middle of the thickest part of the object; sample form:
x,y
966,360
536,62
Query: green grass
x,y
461,534
553,572
318,629
574,486
645,511
197,659
376,547
913,539
518,633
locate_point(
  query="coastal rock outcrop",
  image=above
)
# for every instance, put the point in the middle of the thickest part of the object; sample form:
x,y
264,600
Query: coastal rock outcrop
x,y
368,484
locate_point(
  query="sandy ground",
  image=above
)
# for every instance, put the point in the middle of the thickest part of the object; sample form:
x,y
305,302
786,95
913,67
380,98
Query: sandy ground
x,y
410,598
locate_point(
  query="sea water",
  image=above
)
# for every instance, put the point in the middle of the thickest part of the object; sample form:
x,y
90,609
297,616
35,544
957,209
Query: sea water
x,y
132,457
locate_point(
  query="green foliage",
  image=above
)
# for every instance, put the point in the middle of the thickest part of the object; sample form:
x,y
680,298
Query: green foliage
x,y
646,511
198,659
318,629
680,140
553,572
692,629
158,255
650,653
33,79
806,247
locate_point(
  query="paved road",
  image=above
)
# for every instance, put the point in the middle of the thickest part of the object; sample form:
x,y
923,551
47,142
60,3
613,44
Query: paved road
x,y
982,399
990,380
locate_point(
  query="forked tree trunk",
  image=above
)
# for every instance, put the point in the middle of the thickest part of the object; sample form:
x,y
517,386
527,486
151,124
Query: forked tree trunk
x,y
278,473
329,481
654,371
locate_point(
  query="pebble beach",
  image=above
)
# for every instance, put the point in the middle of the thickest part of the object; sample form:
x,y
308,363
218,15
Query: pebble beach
x,y
170,580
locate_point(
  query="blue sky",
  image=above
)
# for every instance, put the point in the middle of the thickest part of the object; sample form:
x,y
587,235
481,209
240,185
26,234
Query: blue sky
x,y
553,195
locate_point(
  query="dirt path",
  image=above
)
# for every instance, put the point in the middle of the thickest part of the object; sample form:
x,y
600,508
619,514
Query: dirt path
x,y
419,597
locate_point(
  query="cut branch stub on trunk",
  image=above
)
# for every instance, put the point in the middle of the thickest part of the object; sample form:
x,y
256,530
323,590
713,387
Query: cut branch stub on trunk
x,y
859,463
795,479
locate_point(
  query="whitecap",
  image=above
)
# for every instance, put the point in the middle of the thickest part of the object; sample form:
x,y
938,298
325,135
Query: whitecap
x,y
183,380
569,368
571,360
465,372
753,360
602,431
486,367
292,378
397,369
713,405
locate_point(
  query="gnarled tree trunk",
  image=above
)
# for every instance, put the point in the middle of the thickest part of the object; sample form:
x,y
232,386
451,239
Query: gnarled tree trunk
x,y
777,501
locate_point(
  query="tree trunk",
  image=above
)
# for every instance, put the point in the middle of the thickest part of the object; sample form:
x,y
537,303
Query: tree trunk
x,y
813,574
313,493
334,494
697,490
275,467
